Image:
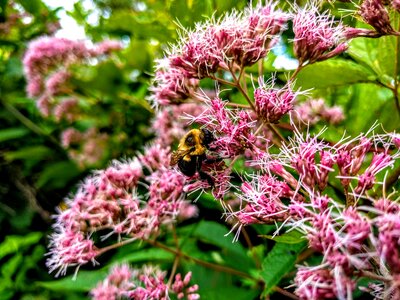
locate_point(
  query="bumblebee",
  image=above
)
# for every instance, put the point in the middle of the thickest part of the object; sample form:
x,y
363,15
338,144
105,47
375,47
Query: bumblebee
x,y
191,153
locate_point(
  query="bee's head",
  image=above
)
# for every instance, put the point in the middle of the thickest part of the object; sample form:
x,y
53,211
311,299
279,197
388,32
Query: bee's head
x,y
208,137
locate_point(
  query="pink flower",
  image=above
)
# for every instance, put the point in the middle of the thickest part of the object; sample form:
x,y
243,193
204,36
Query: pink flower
x,y
323,236
155,157
350,158
379,162
115,285
250,38
124,174
143,284
70,136
312,111
375,14
171,85
396,5
272,103
356,228
47,64
106,47
263,199
69,248
318,284
232,128
311,159
181,289
316,36
66,109
44,105
396,140
56,81
388,240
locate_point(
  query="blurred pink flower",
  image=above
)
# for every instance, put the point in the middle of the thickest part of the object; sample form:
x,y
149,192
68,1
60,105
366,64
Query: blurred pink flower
x,y
66,109
108,201
314,110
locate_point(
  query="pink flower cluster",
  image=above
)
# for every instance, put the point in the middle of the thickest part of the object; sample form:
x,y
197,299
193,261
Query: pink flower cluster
x,y
290,188
352,240
143,284
170,125
236,40
313,111
233,128
87,148
316,36
375,14
306,163
108,202
272,103
46,65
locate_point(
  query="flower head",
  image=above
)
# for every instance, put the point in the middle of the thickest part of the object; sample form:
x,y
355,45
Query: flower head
x,y
315,283
316,35
232,128
143,284
272,103
375,14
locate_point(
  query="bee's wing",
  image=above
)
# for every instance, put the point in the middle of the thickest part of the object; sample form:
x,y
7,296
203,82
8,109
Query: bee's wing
x,y
177,155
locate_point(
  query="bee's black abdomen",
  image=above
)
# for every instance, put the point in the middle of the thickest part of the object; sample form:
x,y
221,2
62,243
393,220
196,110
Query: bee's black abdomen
x,y
208,137
189,168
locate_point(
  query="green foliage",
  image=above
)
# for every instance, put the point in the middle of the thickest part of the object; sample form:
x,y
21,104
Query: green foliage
x,y
20,255
279,261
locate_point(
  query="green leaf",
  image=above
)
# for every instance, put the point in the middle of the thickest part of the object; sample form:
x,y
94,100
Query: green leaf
x,y
32,6
57,175
12,133
331,73
84,281
149,254
217,285
30,153
232,254
378,54
279,261
291,237
9,268
214,233
14,243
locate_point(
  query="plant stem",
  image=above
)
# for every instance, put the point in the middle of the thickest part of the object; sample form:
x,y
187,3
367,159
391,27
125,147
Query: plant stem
x,y
285,293
223,81
396,71
374,276
201,262
29,124
240,88
238,105
173,271
295,73
115,246
177,257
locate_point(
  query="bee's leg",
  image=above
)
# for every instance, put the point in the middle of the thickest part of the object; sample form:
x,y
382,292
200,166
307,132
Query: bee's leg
x,y
205,176
212,160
